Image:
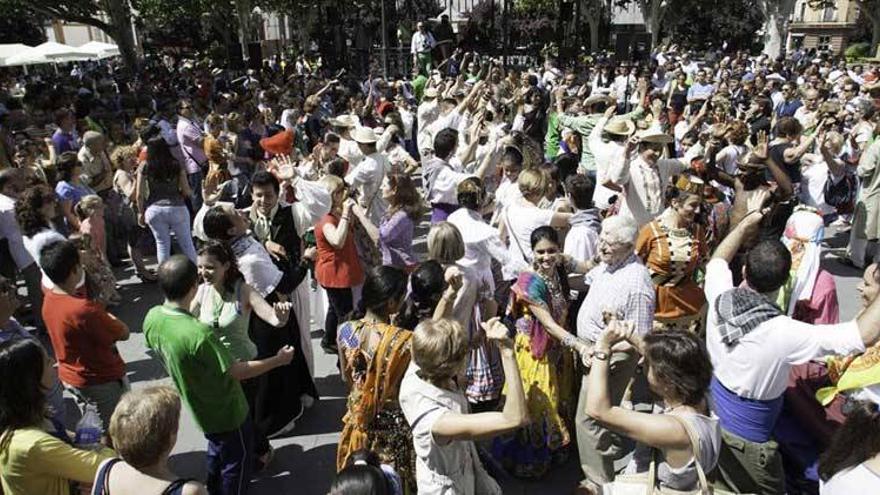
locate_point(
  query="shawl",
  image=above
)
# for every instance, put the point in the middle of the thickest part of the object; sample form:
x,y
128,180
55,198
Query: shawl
x,y
530,288
803,236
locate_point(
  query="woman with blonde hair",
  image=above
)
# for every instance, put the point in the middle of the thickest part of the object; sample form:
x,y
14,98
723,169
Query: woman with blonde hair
x,y
142,465
523,216
436,409
484,374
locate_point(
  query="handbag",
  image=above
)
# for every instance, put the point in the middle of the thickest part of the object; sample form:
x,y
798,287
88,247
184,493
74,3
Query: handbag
x,y
843,193
646,483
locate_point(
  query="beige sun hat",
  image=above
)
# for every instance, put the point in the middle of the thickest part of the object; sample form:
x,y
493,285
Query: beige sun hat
x,y
619,126
654,134
346,121
594,99
430,93
364,135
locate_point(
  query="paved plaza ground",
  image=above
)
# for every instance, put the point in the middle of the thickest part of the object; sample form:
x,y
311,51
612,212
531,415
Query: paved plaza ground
x,y
305,462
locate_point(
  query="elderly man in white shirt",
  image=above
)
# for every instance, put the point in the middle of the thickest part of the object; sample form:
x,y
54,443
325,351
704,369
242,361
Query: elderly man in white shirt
x,y
645,177
620,285
368,175
753,346
420,47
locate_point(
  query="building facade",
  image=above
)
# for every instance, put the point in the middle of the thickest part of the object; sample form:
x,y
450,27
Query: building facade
x,y
826,29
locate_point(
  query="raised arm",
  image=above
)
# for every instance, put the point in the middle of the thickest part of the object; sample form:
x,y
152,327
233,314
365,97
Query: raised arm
x,y
454,426
731,244
242,370
656,430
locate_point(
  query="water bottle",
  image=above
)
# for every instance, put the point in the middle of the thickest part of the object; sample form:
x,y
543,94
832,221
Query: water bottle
x,y
89,429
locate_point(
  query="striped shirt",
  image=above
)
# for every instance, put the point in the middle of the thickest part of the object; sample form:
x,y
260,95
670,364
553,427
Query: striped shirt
x,y
624,288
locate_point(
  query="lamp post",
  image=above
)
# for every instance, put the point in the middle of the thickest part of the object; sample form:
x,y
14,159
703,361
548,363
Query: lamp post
x,y
384,43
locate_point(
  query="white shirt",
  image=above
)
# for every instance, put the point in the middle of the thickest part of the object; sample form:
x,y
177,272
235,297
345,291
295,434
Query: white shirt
x,y
350,152
481,242
605,154
367,178
10,231
859,479
581,241
255,265
758,365
442,187
451,468
422,43
521,220
644,186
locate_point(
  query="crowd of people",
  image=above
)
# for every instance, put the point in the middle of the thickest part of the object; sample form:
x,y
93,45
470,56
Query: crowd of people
x,y
622,259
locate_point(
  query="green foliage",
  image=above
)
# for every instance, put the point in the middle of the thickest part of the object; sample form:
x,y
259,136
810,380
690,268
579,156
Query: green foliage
x,y
858,50
18,25
709,23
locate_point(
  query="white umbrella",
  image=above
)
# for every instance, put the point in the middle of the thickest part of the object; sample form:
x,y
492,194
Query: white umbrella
x,y
100,50
11,49
48,52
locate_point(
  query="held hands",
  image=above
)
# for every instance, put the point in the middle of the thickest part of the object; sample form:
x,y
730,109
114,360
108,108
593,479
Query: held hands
x,y
755,201
284,355
497,331
276,250
616,331
310,253
347,205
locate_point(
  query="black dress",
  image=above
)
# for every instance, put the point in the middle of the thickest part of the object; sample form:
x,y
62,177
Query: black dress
x,y
279,396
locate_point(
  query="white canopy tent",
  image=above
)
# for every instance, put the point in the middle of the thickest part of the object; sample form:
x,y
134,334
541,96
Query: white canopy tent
x,y
100,50
48,52
10,50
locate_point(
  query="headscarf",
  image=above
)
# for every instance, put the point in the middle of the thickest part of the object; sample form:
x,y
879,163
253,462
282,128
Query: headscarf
x,y
851,373
803,236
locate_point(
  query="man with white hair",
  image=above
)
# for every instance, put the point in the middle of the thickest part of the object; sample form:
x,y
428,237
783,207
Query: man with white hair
x,y
620,286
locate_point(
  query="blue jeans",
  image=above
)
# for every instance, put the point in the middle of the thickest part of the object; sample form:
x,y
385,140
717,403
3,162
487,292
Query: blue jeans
x,y
195,183
230,459
163,220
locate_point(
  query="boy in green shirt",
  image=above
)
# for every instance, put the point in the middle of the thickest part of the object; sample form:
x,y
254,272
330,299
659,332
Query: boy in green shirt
x,y
207,377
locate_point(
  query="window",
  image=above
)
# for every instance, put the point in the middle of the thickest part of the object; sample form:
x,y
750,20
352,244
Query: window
x,y
829,14
824,43
801,13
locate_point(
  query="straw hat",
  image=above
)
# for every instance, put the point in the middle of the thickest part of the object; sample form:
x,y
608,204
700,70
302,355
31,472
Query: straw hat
x,y
619,126
654,134
595,99
346,121
364,135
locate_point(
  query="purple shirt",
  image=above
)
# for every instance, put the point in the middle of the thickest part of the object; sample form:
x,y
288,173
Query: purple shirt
x,y
395,240
65,141
190,138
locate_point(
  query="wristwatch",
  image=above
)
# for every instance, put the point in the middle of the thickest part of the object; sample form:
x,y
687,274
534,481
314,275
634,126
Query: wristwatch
x,y
601,355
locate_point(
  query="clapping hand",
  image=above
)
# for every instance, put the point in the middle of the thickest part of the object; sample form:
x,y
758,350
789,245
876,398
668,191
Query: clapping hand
x,y
282,311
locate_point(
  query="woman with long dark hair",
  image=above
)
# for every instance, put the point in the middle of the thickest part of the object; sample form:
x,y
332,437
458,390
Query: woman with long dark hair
x,y
373,355
35,212
70,188
35,455
852,462
162,189
395,232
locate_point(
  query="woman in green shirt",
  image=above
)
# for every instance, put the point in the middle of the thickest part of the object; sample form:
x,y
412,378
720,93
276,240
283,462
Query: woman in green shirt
x,y
33,460
224,302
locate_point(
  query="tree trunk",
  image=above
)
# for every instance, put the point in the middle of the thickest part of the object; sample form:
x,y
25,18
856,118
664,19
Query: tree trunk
x,y
652,13
594,33
873,16
245,27
121,32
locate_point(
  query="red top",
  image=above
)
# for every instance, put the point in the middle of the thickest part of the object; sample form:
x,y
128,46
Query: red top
x,y
341,268
84,339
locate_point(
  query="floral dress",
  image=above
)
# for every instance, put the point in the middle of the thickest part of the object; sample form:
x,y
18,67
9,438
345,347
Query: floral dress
x,y
547,372
374,419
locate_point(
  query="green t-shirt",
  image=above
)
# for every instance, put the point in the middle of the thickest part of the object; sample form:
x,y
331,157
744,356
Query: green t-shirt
x,y
418,85
551,139
199,365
